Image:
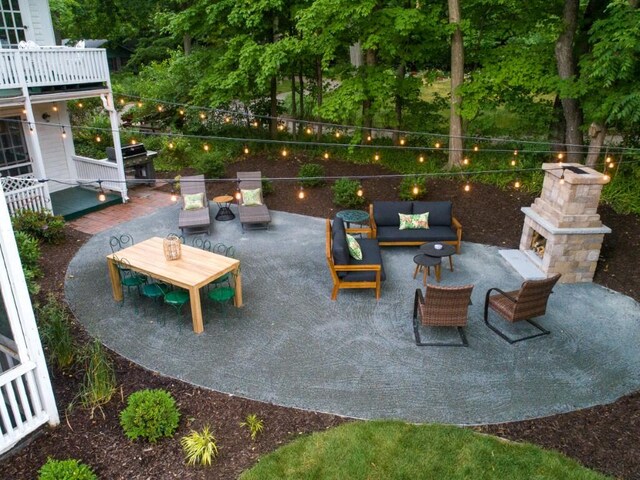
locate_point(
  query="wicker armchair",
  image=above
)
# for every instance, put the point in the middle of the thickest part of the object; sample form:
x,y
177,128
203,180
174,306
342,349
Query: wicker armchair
x,y
528,302
441,307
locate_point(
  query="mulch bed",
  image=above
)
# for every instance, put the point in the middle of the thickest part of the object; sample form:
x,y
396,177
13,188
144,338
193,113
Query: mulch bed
x,y
604,438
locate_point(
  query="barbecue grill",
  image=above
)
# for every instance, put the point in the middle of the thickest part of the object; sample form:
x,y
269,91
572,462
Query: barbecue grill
x,y
138,159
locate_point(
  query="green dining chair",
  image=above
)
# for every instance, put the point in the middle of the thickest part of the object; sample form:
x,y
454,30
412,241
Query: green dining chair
x,y
227,251
128,278
176,298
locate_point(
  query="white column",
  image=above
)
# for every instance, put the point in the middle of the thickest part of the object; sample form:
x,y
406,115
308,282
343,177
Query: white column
x,y
107,101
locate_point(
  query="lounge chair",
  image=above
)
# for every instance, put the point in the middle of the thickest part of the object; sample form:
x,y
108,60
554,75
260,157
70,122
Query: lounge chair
x,y
251,208
191,216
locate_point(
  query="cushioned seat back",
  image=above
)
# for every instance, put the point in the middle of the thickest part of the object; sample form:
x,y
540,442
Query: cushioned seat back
x,y
340,248
386,213
439,212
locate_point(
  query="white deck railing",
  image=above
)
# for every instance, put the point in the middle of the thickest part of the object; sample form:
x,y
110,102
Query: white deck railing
x,y
49,66
92,169
24,193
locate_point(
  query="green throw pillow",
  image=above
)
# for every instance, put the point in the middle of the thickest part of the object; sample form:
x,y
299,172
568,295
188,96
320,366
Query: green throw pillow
x,y
354,247
414,222
251,197
194,201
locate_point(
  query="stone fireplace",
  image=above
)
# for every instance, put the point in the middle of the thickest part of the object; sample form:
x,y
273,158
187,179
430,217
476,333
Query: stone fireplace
x,y
562,230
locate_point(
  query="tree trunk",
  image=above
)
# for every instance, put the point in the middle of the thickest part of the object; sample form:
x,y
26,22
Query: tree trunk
x,y
319,93
367,117
301,83
294,108
597,133
186,43
566,64
398,100
558,127
273,113
457,77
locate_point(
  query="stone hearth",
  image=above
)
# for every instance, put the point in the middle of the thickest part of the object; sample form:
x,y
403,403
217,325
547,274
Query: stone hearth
x,y
562,230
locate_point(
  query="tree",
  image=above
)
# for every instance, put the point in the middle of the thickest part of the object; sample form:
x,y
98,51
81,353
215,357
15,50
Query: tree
x,y
457,78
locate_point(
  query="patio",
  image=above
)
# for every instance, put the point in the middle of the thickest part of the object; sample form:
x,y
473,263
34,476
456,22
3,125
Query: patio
x,y
291,345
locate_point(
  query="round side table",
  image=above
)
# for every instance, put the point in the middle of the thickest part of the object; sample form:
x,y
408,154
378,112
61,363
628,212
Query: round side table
x,y
353,216
446,251
425,262
224,211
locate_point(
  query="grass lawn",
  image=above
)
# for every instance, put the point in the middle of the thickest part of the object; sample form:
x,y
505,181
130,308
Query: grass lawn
x,y
397,450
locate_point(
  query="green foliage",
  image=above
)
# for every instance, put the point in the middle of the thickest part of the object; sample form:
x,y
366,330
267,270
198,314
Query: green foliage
x,y
267,186
150,414
412,188
396,450
70,469
199,447
345,193
99,382
54,324
309,170
254,424
41,225
29,251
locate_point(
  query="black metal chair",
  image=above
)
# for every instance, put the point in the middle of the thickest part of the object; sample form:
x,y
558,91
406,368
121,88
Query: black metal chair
x,y
518,305
120,242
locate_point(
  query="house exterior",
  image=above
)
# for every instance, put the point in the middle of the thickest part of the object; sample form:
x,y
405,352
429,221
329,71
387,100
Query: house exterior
x,y
37,79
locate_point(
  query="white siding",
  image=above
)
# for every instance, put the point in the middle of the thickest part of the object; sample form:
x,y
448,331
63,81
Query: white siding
x,y
41,24
55,152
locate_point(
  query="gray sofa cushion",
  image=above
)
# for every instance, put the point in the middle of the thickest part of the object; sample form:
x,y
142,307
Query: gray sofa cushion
x,y
386,213
370,256
432,234
439,212
340,248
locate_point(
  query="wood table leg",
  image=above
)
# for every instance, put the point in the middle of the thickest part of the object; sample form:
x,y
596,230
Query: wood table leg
x,y
196,309
114,275
437,269
415,272
451,262
237,300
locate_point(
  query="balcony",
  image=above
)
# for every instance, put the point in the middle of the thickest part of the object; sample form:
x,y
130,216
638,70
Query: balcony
x,y
52,67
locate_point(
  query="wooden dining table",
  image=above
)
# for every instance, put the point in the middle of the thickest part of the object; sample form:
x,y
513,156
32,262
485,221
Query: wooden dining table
x,y
194,269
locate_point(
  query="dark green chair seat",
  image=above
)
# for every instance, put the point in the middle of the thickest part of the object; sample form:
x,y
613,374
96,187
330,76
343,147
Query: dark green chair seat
x,y
154,290
222,294
177,299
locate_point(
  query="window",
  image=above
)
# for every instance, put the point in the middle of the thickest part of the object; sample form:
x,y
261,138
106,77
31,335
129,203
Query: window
x,y
14,157
11,28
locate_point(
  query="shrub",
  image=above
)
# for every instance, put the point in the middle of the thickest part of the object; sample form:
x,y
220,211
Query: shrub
x,y
99,382
55,330
41,225
199,447
150,414
311,170
70,469
345,193
408,186
29,252
254,424
267,186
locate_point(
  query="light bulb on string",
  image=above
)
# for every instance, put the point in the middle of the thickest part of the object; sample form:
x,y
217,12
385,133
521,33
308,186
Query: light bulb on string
x,y
64,132
170,145
421,159
606,178
284,152
255,124
280,127
369,138
246,150
55,107
101,195
415,190
560,156
301,193
24,111
437,145
608,160
227,119
202,116
308,131
181,112
516,184
402,141
121,101
513,162
326,155
174,195
465,161
238,194
467,186
160,108
337,134
80,105
133,141
139,104
376,157
206,147
476,148
360,191
515,153
562,177
611,165
98,138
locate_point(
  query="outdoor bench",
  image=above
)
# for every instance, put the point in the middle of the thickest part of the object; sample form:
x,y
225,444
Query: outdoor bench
x,y
346,271
443,226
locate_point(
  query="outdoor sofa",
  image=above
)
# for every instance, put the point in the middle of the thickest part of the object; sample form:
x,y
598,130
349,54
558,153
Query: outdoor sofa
x,y
442,225
346,271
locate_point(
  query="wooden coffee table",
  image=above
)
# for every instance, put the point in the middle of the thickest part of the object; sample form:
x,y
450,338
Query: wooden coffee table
x,y
425,262
446,251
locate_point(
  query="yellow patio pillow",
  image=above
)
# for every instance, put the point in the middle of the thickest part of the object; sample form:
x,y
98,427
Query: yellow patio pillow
x,y
414,222
193,201
251,197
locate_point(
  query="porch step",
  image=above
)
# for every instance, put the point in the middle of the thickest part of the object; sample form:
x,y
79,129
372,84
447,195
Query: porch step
x,y
75,202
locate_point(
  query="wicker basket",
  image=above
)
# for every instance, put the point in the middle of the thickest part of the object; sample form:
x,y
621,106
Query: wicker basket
x,y
172,247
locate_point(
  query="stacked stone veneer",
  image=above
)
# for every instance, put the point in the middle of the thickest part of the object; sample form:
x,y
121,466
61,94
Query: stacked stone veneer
x,y
566,215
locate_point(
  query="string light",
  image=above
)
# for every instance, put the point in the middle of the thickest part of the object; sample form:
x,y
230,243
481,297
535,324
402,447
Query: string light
x,y
80,105
560,156
611,165
170,145
246,150
437,145
360,191
376,157
55,107
562,177
369,138
476,148
513,162
284,152
101,195
326,155
416,190
308,131
516,184
515,153
206,147
174,195
465,161
121,101
606,178
98,138
181,112
255,124
608,160
337,134
30,128
139,104
421,159
202,116
467,186
24,111
160,108
64,132
301,193
133,141
280,127
238,193
227,119
402,141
